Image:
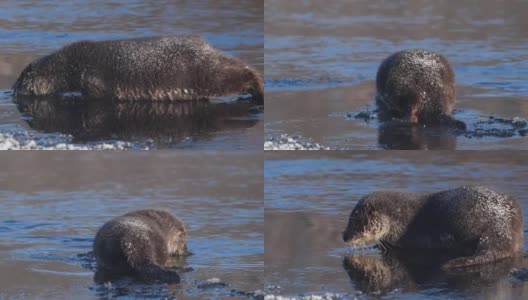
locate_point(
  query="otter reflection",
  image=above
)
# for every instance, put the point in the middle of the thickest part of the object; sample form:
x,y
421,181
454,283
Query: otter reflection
x,y
101,276
408,136
87,260
164,122
407,272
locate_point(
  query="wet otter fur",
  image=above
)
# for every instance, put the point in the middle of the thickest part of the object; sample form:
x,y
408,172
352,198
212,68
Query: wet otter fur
x,y
417,86
473,224
170,68
139,244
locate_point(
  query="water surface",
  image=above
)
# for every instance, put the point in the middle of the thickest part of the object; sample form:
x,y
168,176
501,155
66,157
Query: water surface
x,y
322,57
308,199
53,205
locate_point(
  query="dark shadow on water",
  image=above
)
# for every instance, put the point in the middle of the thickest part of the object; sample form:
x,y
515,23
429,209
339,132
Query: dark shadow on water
x,y
414,137
413,272
166,123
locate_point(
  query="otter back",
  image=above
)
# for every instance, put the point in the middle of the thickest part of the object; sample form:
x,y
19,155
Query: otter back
x,y
172,68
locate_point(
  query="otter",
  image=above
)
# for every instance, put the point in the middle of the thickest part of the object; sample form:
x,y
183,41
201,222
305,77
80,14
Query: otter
x,y
472,224
139,244
169,68
417,86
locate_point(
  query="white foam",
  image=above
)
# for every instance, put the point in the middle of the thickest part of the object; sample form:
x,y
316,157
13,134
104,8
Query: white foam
x,y
286,142
18,138
325,296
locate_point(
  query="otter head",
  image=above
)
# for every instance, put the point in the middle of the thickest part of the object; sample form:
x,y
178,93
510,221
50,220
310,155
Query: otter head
x,y
244,79
177,240
178,246
253,84
366,225
45,76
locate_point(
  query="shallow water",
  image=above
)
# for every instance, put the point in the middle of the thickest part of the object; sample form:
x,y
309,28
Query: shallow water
x,y
321,61
308,199
53,205
30,29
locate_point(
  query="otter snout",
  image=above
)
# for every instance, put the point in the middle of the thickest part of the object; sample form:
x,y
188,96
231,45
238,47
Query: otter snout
x,y
258,97
346,236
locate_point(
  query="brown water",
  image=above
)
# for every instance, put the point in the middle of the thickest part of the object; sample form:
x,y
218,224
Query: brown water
x,y
30,29
321,59
309,197
52,206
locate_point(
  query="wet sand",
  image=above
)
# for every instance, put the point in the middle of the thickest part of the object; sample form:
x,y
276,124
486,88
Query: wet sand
x,y
321,62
